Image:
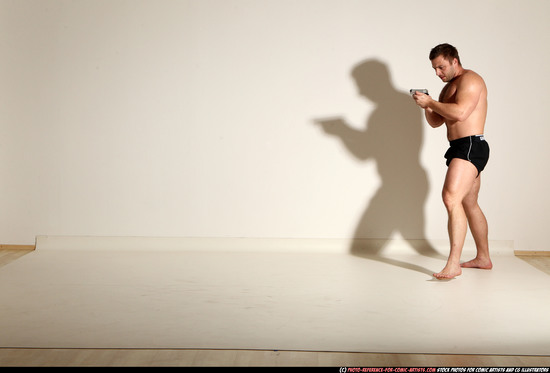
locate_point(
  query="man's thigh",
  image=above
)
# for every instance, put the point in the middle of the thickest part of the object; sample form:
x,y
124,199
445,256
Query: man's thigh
x,y
460,179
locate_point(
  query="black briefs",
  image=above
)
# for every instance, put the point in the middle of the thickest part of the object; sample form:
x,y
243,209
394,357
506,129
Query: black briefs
x,y
472,148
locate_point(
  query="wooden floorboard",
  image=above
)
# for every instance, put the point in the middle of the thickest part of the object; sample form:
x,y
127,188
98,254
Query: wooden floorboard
x,y
9,255
250,358
19,357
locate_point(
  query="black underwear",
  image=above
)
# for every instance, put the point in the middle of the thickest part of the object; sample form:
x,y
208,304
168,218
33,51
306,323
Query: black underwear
x,y
472,148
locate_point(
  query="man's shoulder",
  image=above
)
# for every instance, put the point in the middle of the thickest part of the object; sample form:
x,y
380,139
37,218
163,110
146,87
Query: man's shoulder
x,y
471,76
471,80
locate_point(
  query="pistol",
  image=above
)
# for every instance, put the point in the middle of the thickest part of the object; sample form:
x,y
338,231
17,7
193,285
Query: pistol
x,y
425,91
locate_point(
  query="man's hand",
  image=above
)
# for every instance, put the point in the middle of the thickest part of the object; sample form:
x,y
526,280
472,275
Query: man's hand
x,y
421,99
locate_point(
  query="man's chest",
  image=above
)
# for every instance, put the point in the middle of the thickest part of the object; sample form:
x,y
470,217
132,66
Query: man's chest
x,y
448,94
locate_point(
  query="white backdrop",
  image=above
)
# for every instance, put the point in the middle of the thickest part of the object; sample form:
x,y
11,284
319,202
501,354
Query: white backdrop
x,y
196,118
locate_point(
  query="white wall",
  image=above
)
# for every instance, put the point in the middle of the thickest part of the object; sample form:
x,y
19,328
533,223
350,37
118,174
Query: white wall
x,y
195,118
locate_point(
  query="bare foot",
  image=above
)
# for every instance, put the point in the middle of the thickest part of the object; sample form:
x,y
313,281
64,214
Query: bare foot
x,y
478,263
448,272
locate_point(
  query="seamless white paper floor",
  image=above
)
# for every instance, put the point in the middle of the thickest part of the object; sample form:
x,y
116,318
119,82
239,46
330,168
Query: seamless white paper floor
x,y
272,301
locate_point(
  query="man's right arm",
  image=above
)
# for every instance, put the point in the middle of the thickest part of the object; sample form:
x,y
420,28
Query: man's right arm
x,y
435,120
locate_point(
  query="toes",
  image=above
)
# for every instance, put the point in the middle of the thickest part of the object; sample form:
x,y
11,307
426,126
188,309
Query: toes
x,y
445,275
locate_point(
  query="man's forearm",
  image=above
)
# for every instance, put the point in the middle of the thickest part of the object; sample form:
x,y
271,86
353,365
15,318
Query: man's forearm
x,y
434,119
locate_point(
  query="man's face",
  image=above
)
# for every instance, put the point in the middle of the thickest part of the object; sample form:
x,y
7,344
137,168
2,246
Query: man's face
x,y
444,69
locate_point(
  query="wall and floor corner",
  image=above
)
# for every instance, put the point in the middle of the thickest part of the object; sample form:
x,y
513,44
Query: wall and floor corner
x,y
202,118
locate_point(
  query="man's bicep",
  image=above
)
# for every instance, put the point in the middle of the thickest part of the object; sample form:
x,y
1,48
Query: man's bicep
x,y
467,96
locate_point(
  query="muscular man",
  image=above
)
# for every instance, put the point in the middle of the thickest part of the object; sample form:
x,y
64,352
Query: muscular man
x,y
462,106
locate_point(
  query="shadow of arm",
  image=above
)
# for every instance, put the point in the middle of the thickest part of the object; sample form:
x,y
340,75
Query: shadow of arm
x,y
354,140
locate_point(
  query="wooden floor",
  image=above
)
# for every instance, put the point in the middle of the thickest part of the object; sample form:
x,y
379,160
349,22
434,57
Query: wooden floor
x,y
249,358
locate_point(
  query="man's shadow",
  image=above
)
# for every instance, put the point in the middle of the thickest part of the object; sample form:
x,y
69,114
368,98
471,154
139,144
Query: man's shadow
x,y
393,138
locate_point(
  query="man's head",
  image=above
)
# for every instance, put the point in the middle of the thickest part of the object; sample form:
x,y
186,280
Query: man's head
x,y
445,61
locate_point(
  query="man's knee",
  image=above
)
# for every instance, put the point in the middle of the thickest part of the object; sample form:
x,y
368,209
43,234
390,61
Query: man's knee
x,y
451,198
470,203
470,200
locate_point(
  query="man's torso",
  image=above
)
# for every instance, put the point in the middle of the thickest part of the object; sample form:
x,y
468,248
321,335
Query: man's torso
x,y
475,123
